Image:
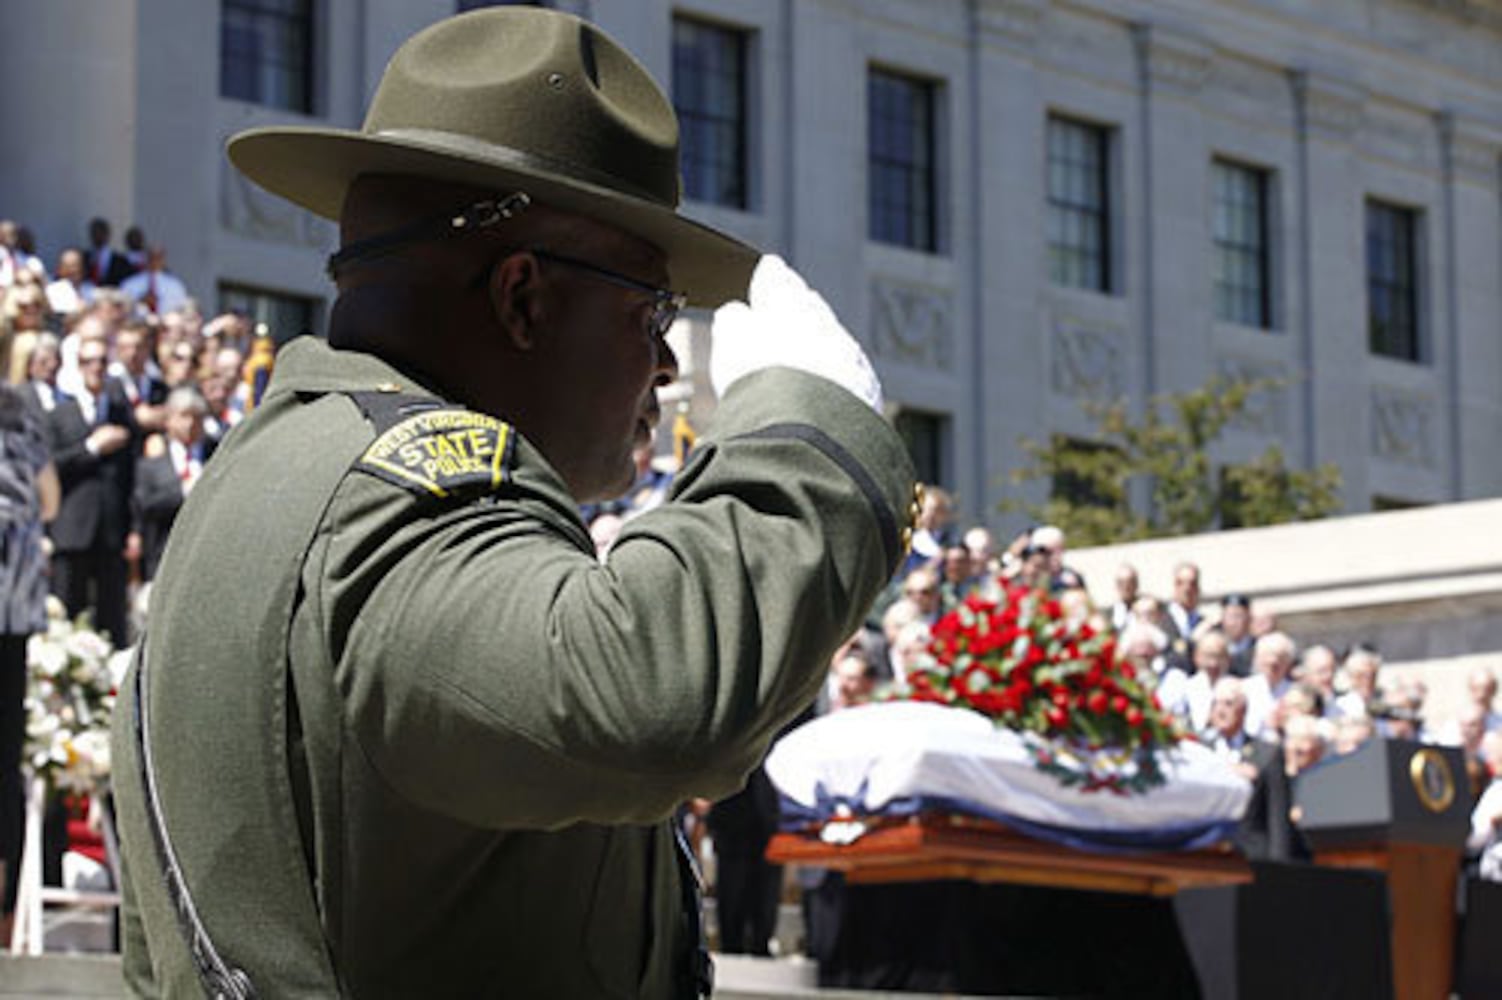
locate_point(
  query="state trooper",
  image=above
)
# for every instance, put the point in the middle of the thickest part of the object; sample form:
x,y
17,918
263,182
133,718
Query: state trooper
x,y
394,730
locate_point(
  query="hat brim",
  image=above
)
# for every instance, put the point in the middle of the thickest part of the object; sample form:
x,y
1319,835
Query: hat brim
x,y
314,167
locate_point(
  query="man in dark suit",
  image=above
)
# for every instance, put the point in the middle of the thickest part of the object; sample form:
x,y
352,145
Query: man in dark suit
x,y
139,376
748,887
92,438
168,472
105,266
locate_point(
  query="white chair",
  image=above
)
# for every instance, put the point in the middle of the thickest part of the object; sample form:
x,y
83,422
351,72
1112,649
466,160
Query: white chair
x,y
32,897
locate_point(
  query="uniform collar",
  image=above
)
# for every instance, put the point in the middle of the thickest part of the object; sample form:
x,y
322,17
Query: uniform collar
x,y
310,365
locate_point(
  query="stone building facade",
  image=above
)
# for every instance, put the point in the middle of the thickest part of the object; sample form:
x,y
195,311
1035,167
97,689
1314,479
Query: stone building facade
x,y
1015,204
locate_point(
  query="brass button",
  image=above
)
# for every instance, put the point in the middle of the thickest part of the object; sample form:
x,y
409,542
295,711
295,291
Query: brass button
x,y
914,509
907,540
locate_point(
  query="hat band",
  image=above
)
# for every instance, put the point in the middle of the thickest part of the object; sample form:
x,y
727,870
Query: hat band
x,y
529,162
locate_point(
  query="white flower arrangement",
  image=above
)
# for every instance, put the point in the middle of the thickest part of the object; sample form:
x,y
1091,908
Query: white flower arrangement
x,y
71,682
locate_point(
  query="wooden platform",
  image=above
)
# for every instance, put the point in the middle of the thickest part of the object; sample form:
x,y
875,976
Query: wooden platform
x,y
933,847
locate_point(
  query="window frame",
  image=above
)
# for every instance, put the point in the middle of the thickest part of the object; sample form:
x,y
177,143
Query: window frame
x,y
1405,289
1259,250
927,436
464,6
226,289
1062,205
1077,491
740,193
920,232
304,100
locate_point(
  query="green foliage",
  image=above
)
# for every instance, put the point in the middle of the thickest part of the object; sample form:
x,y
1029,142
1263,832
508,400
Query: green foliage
x,y
1167,448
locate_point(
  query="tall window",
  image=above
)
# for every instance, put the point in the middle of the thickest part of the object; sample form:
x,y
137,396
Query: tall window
x,y
1079,205
465,5
285,316
266,52
1088,473
925,436
1392,281
1241,264
900,148
709,94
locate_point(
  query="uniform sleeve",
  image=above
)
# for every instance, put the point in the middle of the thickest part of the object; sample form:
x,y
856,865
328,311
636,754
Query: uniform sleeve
x,y
499,674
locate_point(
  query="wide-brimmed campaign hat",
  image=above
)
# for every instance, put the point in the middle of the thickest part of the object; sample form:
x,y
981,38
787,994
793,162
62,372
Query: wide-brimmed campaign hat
x,y
516,99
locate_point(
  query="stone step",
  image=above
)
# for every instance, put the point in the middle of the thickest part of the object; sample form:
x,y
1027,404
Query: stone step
x,y
738,977
80,976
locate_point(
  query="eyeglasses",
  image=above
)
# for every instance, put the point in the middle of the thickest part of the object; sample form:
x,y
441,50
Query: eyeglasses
x,y
91,361
666,305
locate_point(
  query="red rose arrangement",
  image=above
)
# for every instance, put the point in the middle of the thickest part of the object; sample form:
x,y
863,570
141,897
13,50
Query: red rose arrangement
x,y
1086,715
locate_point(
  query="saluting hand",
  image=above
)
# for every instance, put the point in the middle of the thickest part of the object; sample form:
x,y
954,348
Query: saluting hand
x,y
787,324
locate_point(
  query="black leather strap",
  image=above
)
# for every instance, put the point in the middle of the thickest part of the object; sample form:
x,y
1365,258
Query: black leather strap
x,y
691,882
480,215
385,410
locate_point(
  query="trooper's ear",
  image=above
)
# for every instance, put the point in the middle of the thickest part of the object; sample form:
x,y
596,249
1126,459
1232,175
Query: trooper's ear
x,y
516,298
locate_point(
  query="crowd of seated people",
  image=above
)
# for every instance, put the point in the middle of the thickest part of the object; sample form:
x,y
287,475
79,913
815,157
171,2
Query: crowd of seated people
x,y
1236,682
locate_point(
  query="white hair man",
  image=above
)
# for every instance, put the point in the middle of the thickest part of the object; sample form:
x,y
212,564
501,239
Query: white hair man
x,y
1212,662
1317,669
1303,744
982,548
1361,668
1050,539
1128,589
1143,644
1184,610
1272,667
1486,818
1482,686
1226,731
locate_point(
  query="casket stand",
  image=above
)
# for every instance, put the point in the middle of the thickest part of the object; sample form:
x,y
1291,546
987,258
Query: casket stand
x,y
904,791
933,891
936,846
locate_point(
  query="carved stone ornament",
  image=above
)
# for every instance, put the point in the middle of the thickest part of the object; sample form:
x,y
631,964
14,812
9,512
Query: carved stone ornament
x,y
1266,409
1403,427
247,210
1086,361
912,323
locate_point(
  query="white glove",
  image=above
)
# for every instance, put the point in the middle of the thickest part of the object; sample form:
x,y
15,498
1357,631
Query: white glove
x,y
789,325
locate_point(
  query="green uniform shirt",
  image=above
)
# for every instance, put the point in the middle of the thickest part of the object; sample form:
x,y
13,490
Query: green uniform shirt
x,y
411,738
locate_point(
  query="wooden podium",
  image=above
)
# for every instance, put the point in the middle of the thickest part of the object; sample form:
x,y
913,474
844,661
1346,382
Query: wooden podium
x,y
1400,807
931,847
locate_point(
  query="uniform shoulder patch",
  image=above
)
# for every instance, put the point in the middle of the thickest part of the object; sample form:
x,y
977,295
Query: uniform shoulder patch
x,y
442,452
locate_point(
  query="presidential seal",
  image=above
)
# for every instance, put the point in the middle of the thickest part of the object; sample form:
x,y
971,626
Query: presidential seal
x,y
1432,778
